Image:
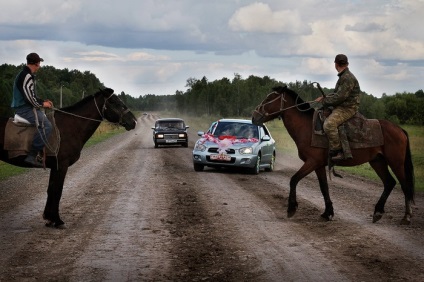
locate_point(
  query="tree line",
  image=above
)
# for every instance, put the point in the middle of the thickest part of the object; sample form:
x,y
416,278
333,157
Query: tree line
x,y
236,97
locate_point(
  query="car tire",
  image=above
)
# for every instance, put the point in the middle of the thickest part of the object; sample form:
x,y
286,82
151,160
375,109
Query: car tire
x,y
185,144
257,167
271,164
156,145
198,167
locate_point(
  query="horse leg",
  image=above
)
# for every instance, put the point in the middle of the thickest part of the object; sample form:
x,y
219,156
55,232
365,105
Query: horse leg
x,y
323,185
301,173
54,193
381,168
404,183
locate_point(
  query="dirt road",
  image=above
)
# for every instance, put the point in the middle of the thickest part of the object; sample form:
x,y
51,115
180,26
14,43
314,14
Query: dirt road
x,y
136,213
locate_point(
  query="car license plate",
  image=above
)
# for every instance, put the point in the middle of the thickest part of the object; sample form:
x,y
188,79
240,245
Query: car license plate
x,y
221,157
171,141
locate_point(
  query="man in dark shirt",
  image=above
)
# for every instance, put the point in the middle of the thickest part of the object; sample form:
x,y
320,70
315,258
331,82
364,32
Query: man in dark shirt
x,y
28,105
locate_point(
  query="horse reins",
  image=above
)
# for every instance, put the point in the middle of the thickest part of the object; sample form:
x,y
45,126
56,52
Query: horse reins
x,y
101,113
282,109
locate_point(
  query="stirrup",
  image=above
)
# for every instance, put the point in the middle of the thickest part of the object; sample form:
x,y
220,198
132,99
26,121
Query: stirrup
x,y
338,157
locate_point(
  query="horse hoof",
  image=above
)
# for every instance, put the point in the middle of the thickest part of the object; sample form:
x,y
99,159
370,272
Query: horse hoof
x,y
49,223
376,217
291,213
58,225
325,217
405,221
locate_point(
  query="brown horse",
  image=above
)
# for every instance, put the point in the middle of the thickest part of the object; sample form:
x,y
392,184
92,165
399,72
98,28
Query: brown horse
x,y
76,125
297,118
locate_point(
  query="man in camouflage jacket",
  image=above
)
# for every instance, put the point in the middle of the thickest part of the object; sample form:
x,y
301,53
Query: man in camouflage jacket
x,y
345,103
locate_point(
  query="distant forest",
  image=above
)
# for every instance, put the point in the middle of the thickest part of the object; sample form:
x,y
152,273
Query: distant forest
x,y
236,97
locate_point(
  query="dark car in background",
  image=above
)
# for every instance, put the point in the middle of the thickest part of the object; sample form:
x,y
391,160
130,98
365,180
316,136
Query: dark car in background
x,y
235,143
170,131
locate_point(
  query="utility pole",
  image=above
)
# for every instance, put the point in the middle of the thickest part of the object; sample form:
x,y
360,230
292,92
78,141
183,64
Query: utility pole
x,y
61,96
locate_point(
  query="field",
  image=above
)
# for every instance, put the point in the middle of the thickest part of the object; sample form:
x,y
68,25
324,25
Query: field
x,y
284,144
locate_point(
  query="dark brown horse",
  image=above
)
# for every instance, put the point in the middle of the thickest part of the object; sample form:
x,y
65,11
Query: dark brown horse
x,y
76,124
297,118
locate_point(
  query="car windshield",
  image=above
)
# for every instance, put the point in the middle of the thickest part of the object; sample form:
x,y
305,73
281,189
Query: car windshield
x,y
239,130
170,125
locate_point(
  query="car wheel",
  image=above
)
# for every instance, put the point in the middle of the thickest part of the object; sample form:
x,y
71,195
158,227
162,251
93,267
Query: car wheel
x,y
198,167
271,164
185,144
156,145
256,168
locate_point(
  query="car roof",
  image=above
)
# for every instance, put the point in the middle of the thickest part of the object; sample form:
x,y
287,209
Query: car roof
x,y
170,119
235,120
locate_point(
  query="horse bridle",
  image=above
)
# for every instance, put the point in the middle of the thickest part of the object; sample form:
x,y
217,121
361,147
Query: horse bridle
x,y
261,108
101,113
282,109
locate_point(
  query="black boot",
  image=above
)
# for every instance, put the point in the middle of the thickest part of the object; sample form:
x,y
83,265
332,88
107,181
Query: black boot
x,y
32,159
337,155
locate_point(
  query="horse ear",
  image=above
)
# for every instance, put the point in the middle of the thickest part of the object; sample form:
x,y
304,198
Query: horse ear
x,y
108,90
279,88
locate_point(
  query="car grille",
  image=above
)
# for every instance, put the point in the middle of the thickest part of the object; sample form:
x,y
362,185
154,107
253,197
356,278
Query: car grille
x,y
170,136
215,151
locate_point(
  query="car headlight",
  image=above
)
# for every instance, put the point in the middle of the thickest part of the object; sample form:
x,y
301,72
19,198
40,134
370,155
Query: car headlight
x,y
246,150
181,135
199,147
159,135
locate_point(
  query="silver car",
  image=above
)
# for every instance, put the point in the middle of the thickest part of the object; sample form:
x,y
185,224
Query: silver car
x,y
235,143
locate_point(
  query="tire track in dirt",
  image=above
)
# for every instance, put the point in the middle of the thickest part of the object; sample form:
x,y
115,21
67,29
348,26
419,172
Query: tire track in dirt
x,y
204,248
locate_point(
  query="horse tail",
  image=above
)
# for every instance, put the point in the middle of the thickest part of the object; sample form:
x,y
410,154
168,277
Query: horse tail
x,y
409,171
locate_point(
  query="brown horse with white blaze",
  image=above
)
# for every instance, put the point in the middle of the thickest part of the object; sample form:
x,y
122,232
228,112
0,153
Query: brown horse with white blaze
x,y
297,117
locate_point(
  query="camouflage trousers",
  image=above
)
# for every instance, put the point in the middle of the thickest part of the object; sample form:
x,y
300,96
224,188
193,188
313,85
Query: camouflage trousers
x,y
332,122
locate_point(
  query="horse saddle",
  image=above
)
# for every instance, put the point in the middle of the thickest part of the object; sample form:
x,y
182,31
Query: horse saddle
x,y
19,134
356,133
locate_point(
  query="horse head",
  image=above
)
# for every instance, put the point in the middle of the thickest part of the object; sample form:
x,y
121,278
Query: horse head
x,y
115,111
277,103
271,107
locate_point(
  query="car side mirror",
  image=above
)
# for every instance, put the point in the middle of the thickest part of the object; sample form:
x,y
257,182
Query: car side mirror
x,y
153,127
266,138
200,133
187,126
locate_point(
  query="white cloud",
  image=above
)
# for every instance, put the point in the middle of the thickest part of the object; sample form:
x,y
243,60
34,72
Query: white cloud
x,y
259,17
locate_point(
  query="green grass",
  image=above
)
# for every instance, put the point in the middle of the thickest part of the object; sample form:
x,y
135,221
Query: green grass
x,y
7,170
102,133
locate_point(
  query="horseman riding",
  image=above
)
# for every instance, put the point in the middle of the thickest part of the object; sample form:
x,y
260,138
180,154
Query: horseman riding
x,y
345,104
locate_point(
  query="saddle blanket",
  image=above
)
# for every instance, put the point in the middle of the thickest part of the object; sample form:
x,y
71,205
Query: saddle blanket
x,y
360,132
18,139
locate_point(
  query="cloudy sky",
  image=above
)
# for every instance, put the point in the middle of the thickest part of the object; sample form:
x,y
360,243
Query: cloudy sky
x,y
153,46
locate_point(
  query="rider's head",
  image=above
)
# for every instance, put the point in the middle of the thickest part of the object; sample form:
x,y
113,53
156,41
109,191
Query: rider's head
x,y
341,62
33,61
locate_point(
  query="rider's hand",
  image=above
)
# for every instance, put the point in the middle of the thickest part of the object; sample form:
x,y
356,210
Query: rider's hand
x,y
319,99
47,104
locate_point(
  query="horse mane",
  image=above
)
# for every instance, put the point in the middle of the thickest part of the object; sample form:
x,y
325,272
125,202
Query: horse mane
x,y
303,106
83,101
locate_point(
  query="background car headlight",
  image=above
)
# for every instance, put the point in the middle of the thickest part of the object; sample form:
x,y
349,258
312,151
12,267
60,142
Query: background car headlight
x,y
181,135
246,150
159,135
199,147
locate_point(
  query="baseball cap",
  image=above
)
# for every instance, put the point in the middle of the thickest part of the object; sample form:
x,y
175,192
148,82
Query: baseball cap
x,y
33,58
341,59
